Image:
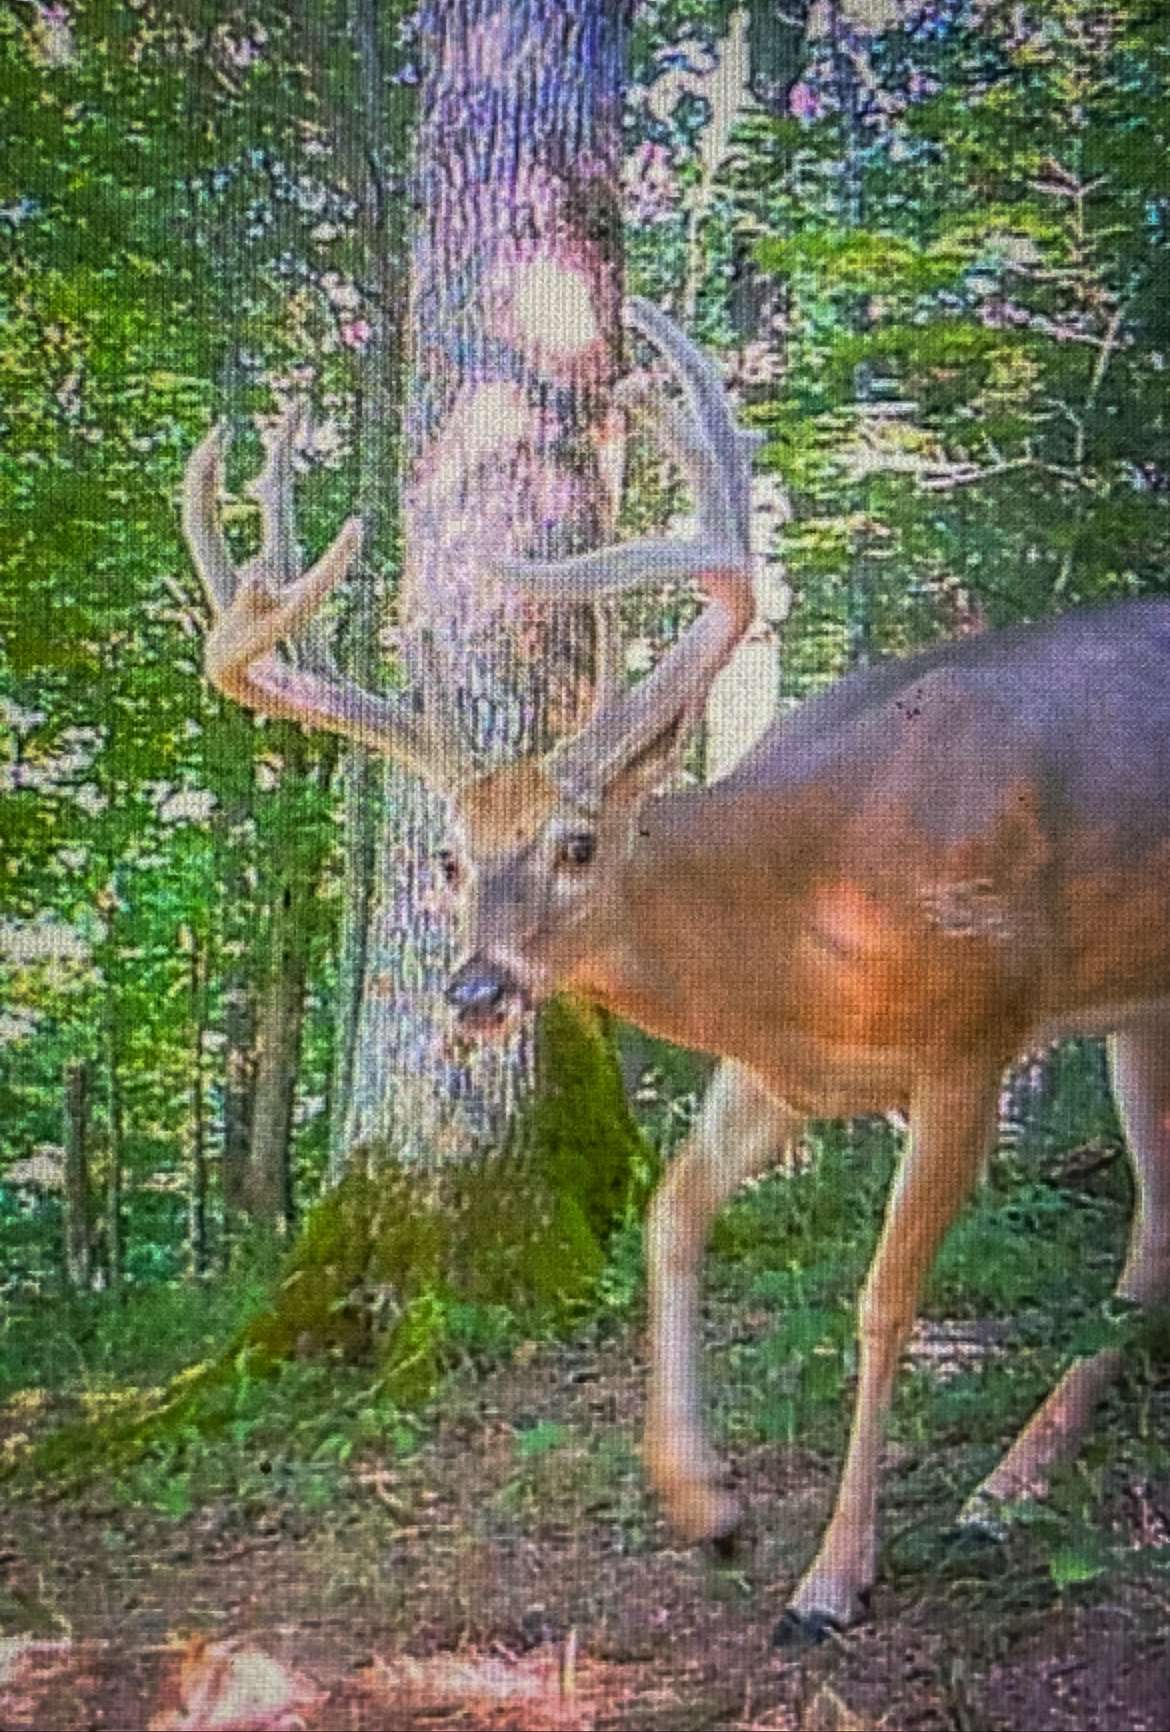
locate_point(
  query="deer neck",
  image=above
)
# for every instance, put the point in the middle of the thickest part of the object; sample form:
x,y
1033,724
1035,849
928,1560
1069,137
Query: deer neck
x,y
677,910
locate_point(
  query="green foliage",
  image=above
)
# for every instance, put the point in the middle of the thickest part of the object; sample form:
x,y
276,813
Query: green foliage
x,y
415,1270
795,1250
857,259
974,414
560,1471
178,212
82,1342
290,1440
540,1439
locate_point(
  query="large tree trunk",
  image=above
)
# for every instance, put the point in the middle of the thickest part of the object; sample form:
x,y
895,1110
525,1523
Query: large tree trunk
x,y
516,280
516,292
516,303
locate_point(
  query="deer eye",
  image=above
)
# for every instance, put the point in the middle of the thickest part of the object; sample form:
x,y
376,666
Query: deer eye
x,y
448,866
578,849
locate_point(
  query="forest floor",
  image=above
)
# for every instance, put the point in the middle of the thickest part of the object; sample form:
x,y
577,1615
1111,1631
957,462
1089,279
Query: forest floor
x,y
503,1566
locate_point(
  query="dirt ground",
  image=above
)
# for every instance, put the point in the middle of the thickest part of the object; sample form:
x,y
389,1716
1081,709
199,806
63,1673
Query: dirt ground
x,y
514,1573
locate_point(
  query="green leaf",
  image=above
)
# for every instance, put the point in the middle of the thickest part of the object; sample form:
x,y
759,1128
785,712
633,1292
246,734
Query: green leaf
x,y
1080,1561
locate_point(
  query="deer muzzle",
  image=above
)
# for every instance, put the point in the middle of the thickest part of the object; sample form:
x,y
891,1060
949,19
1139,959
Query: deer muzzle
x,y
485,996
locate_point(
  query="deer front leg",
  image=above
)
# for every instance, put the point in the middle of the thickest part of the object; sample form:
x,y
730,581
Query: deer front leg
x,y
952,1123
741,1129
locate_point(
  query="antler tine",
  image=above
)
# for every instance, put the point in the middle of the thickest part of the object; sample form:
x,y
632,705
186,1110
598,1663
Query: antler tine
x,y
712,451
272,490
662,707
270,600
202,485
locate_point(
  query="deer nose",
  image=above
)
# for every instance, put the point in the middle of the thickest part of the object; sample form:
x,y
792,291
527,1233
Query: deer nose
x,y
478,990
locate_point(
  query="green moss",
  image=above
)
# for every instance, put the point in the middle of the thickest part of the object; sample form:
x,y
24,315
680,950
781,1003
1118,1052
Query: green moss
x,y
414,1350
316,1308
527,1230
579,1124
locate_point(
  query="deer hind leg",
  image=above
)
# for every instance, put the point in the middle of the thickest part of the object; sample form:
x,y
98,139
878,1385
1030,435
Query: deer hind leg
x,y
952,1124
1140,1062
741,1129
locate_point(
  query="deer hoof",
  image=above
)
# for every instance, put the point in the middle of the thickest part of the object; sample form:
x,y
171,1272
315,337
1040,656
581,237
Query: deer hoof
x,y
703,1512
815,1616
797,1630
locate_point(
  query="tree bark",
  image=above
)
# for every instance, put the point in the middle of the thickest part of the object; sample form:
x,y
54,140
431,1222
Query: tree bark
x,y
516,280
776,47
268,1189
280,1013
233,830
746,695
77,1083
777,43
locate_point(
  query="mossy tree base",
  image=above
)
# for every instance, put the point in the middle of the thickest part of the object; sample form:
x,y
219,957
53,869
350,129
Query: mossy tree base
x,y
387,1260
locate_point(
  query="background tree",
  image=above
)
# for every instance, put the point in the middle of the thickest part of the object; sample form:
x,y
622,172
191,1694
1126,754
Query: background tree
x,y
221,828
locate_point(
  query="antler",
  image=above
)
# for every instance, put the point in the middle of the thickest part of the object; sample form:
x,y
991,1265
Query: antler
x,y
715,456
271,599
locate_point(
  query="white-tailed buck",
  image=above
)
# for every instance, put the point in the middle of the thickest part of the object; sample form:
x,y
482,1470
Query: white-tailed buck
x,y
930,868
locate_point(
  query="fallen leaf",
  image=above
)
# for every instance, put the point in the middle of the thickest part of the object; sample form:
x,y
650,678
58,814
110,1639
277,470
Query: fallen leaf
x,y
234,1686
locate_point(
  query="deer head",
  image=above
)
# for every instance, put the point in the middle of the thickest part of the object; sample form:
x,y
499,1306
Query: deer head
x,y
536,847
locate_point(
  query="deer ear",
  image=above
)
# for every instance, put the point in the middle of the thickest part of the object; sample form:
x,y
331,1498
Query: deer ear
x,y
652,764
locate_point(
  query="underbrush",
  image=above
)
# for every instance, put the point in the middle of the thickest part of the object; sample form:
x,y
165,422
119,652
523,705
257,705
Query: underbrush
x,y
80,1343
1022,1284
